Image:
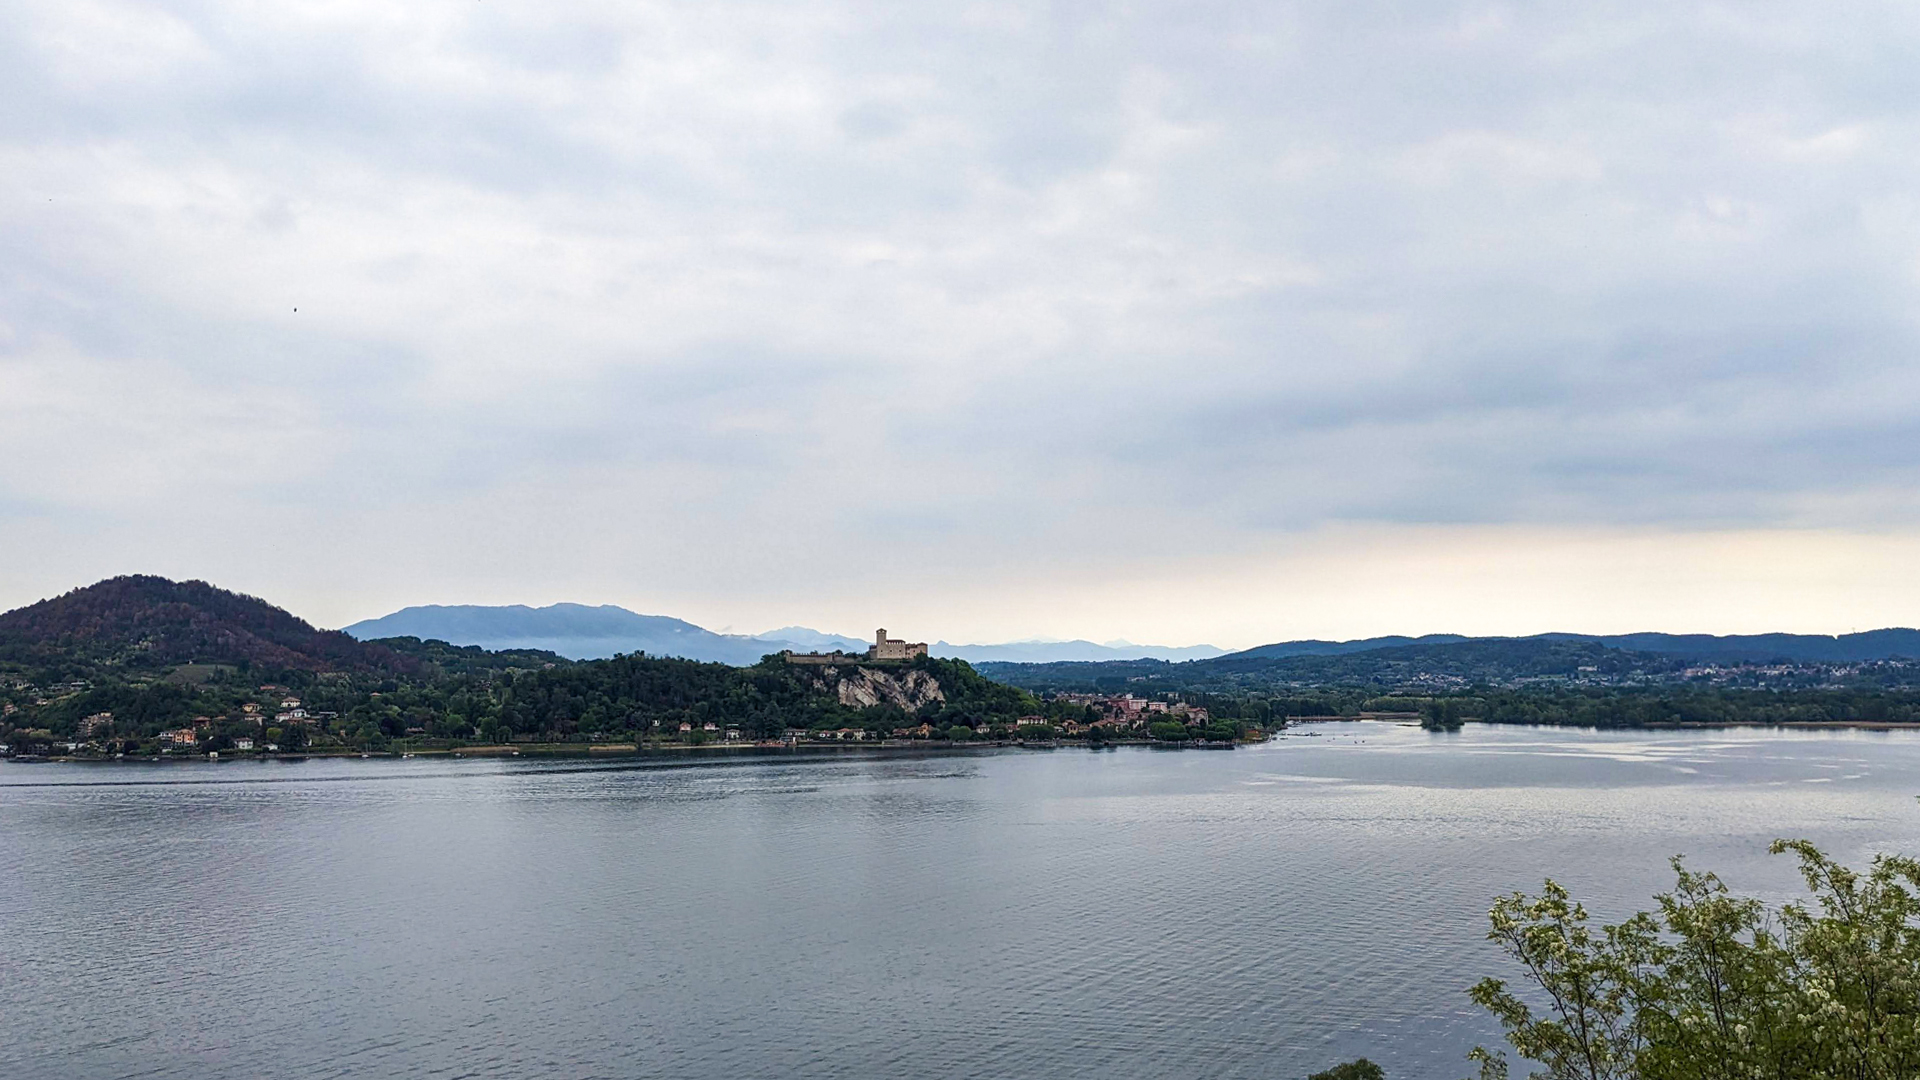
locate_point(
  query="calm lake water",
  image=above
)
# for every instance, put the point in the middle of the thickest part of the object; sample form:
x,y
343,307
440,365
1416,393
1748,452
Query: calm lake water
x,y
1263,912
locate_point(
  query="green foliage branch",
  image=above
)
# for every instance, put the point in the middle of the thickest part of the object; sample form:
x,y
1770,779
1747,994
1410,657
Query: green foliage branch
x,y
1712,986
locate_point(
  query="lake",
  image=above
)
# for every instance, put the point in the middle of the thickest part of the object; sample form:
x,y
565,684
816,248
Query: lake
x,y
1261,912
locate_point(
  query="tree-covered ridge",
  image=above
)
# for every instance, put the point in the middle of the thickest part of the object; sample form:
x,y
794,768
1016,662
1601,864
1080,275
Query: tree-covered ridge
x,y
1490,661
1504,663
1892,643
142,623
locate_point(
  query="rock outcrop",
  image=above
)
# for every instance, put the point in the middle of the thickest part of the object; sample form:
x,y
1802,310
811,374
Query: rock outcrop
x,y
860,687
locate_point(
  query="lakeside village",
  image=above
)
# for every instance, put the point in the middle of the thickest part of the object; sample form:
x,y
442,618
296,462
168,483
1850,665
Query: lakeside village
x,y
277,721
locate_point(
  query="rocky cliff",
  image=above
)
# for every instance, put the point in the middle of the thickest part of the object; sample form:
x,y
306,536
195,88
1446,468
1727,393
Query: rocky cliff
x,y
860,687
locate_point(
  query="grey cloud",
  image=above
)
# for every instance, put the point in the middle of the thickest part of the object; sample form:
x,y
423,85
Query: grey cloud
x,y
1271,265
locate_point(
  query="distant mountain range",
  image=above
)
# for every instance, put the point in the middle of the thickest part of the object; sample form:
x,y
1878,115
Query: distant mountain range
x,y
1054,652
575,631
1449,660
144,621
580,632
801,639
1699,648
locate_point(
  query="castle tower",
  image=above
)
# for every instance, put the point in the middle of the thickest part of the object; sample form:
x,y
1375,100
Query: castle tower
x,y
886,648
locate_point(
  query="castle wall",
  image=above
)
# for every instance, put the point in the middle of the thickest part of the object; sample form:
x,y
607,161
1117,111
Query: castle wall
x,y
883,648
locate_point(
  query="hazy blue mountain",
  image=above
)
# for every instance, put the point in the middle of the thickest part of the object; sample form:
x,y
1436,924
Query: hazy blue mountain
x,y
575,631
1316,647
808,640
1869,645
579,632
1018,652
1705,648
1054,652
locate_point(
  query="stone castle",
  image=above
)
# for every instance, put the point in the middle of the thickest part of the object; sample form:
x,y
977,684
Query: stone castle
x,y
884,648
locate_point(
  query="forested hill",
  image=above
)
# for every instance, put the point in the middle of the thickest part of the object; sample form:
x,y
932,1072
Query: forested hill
x,y
1889,644
1435,665
1439,662
141,622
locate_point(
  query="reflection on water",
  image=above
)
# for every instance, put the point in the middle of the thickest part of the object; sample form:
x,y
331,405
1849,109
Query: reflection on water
x,y
1124,913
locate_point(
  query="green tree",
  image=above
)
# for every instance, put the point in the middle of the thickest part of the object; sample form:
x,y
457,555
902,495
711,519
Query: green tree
x,y
1359,1069
1716,987
1168,731
1441,714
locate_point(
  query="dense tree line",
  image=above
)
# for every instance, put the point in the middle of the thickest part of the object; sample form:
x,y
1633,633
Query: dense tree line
x,y
1866,702
471,694
1656,706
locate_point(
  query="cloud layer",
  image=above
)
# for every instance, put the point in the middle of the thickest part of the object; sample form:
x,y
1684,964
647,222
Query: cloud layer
x,y
710,303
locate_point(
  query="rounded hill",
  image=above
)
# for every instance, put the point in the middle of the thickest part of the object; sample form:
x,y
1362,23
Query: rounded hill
x,y
141,620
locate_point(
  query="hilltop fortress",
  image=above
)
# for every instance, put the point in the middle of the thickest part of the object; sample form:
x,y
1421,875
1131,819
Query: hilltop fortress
x,y
884,648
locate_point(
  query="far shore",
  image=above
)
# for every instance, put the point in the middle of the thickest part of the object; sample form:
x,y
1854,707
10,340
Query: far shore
x,y
1862,725
503,750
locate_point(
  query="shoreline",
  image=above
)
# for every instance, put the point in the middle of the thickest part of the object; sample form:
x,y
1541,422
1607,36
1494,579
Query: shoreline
x,y
630,749
1679,725
599,750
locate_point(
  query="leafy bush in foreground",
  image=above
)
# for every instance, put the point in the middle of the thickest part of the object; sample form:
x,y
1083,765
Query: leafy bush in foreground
x,y
1718,987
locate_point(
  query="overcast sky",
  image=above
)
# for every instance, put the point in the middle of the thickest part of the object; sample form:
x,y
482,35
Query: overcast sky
x,y
1192,321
